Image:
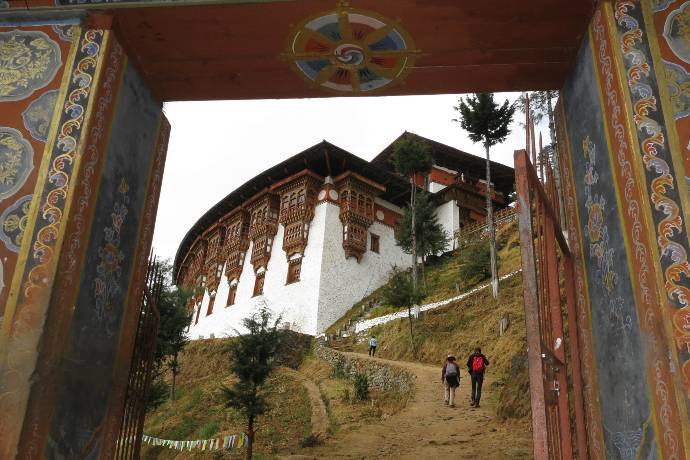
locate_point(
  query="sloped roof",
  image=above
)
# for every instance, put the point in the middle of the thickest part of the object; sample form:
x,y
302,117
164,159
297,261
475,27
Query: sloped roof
x,y
323,158
472,166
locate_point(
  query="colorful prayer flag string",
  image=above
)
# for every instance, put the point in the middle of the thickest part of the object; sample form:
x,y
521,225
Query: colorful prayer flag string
x,y
226,442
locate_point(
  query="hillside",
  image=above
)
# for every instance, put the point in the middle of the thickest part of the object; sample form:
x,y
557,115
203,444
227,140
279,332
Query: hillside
x,y
199,412
307,385
461,326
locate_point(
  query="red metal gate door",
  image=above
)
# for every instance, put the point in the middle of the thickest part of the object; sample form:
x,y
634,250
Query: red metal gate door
x,y
549,291
141,371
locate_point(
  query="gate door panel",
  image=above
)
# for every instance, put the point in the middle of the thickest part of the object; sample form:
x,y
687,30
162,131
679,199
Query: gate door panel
x,y
549,292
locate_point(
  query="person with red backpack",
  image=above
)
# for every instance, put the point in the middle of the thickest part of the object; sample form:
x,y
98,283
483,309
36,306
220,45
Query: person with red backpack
x,y
450,377
476,365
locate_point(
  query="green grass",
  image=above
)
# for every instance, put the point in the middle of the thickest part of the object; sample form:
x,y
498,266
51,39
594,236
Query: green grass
x,y
462,325
442,279
199,412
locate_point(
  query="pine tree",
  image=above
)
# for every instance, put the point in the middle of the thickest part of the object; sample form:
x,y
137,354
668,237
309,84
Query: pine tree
x,y
488,123
172,329
411,156
541,104
252,360
430,236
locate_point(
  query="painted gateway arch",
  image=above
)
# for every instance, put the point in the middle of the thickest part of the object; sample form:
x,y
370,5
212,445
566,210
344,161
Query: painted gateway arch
x,y
82,151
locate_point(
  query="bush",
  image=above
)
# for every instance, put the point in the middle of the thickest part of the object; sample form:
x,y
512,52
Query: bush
x,y
311,440
158,393
208,430
194,399
475,262
361,384
399,292
339,370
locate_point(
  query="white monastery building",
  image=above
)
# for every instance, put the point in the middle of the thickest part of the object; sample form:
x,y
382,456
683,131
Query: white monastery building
x,y
314,234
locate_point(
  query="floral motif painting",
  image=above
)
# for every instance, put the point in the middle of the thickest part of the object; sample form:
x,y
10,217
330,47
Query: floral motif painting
x,y
38,114
16,161
29,61
108,284
13,223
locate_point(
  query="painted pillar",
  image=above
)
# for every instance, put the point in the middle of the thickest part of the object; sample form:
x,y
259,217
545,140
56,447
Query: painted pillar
x,y
626,202
82,150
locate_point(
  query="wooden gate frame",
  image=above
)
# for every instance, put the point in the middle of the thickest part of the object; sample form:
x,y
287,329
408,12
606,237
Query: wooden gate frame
x,y
540,243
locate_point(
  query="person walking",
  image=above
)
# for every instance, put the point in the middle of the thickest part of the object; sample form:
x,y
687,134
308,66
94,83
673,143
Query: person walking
x,y
450,377
372,345
476,365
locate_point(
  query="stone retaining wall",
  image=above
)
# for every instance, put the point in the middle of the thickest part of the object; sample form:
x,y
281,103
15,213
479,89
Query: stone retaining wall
x,y
381,376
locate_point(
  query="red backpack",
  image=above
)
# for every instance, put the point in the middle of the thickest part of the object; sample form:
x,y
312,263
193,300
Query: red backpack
x,y
478,363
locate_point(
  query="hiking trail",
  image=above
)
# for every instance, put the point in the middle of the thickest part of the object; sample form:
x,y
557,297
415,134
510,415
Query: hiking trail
x,y
426,428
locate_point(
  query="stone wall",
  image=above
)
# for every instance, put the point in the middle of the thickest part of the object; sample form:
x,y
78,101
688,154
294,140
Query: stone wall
x,y
381,376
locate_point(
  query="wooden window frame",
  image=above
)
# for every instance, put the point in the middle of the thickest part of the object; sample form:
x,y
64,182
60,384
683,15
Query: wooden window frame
x,y
375,245
293,277
259,285
232,294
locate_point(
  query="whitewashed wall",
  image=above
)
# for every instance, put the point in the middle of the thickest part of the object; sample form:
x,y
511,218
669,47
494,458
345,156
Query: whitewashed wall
x,y
329,284
449,217
345,281
296,302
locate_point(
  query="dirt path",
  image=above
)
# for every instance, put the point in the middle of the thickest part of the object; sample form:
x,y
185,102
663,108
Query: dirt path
x,y
319,416
427,429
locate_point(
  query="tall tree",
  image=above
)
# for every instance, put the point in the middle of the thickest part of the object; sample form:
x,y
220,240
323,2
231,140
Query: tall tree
x,y
487,122
429,233
541,104
172,330
411,157
252,360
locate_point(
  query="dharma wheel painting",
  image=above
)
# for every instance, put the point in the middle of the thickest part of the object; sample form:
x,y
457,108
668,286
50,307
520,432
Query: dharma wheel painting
x,y
351,51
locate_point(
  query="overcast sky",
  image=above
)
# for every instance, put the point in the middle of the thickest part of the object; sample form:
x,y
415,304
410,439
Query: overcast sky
x,y
217,146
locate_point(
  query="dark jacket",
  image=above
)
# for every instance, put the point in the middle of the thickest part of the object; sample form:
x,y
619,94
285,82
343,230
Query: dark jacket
x,y
471,358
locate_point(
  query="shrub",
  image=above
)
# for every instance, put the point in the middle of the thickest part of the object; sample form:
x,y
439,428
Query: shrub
x,y
475,262
345,395
339,370
361,387
194,399
158,393
311,440
208,430
399,291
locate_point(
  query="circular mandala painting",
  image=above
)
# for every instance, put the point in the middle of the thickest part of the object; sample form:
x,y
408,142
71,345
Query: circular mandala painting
x,y
348,50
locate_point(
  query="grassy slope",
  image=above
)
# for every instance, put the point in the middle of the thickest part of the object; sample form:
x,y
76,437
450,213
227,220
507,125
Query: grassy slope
x,y
442,281
461,326
199,412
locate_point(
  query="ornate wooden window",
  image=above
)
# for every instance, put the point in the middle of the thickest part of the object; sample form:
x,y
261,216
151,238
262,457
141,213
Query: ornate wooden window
x,y
263,226
375,243
231,295
259,284
294,269
297,201
236,244
357,212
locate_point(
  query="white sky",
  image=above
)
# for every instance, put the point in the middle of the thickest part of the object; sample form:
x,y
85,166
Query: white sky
x,y
217,146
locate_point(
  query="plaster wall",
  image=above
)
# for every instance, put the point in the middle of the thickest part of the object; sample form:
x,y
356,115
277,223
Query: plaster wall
x,y
448,216
345,281
296,302
329,284
435,187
